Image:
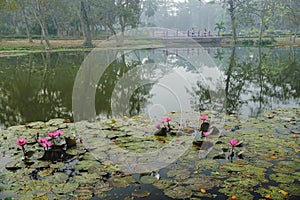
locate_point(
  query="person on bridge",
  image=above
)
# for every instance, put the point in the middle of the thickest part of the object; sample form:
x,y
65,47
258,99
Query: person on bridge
x,y
193,32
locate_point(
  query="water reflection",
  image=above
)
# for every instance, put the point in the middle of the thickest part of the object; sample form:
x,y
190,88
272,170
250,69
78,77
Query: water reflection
x,y
39,86
256,79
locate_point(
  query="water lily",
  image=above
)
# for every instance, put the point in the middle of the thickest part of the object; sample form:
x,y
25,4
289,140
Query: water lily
x,y
206,134
233,142
59,133
157,126
203,117
167,119
53,134
21,142
46,144
42,140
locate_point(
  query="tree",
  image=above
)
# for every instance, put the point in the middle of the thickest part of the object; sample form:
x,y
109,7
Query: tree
x,y
23,6
125,13
233,7
263,11
293,14
85,24
220,27
40,10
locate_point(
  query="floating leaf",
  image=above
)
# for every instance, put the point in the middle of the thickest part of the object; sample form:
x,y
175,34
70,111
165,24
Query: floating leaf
x,y
178,192
148,179
140,193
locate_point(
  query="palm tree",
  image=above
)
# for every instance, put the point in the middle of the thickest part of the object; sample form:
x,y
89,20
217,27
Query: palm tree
x,y
220,26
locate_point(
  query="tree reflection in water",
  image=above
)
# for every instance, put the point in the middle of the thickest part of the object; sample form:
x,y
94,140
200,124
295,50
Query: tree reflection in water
x,y
39,86
256,79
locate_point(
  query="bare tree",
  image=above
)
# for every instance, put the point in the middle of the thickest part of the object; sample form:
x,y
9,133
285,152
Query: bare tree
x,y
40,7
85,24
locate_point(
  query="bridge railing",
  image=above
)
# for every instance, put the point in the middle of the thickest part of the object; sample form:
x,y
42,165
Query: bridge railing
x,y
183,34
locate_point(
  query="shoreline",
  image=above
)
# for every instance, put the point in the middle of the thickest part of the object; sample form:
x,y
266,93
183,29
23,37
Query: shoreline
x,y
20,46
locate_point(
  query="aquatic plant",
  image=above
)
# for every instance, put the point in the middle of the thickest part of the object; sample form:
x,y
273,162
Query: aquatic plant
x,y
204,126
21,142
52,135
158,126
203,117
232,143
205,134
162,131
45,143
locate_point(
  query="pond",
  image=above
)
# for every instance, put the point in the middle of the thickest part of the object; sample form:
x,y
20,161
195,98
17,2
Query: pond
x,y
40,86
248,94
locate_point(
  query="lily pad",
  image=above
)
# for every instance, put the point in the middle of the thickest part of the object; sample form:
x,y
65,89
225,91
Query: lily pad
x,y
148,179
179,174
65,188
140,193
121,182
178,192
282,178
163,184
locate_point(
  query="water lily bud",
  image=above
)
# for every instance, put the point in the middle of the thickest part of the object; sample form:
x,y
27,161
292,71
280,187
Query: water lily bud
x,y
21,141
203,117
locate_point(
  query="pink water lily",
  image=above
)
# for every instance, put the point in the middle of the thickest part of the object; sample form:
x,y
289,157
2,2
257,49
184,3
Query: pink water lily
x,y
167,119
59,132
46,144
233,142
157,126
42,140
53,134
21,142
203,117
206,134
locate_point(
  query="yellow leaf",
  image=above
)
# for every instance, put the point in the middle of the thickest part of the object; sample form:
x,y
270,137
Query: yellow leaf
x,y
283,192
233,197
267,196
203,190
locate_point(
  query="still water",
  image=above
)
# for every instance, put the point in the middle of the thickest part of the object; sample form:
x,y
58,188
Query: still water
x,y
242,80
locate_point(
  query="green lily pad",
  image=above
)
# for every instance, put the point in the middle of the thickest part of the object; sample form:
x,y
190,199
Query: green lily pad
x,y
163,184
291,189
273,191
140,193
148,179
65,188
57,178
282,178
84,165
236,191
179,174
121,182
86,178
178,192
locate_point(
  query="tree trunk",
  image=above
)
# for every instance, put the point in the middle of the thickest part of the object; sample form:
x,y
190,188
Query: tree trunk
x,y
41,19
26,25
58,32
15,23
85,26
233,20
228,80
45,33
262,22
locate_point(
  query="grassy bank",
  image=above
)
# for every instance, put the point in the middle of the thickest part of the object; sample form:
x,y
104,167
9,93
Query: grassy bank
x,y
23,46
